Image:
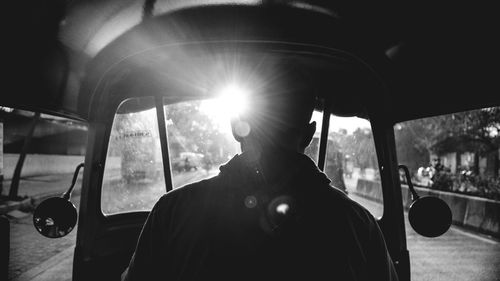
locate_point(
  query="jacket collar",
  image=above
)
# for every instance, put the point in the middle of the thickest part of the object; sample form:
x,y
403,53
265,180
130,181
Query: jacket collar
x,y
273,165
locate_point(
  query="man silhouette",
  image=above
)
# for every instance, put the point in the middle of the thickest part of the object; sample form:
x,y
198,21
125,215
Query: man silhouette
x,y
270,214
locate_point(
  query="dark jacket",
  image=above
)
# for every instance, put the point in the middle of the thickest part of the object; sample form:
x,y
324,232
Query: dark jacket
x,y
272,219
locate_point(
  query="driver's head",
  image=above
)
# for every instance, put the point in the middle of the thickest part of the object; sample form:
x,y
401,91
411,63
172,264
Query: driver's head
x,y
279,111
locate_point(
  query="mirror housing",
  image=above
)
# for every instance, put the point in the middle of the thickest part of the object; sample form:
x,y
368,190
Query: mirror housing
x,y
55,217
429,216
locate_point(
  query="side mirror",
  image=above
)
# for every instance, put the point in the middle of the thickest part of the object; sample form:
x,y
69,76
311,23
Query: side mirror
x,y
429,216
55,217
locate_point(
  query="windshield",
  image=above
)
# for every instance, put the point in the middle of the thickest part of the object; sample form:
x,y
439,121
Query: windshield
x,y
200,140
133,176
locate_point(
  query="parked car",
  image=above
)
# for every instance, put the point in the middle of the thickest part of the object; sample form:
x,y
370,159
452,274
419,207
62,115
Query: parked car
x,y
187,161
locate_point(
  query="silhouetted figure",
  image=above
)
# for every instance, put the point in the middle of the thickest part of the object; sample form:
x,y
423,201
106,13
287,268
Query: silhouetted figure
x,y
269,215
187,164
438,166
436,169
335,171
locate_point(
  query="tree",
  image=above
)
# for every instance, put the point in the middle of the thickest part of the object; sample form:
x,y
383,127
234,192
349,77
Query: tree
x,y
479,132
191,129
410,152
361,145
474,131
416,140
14,186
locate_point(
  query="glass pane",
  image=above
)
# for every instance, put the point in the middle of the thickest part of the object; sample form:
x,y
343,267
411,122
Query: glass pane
x,y
199,140
455,157
351,162
133,176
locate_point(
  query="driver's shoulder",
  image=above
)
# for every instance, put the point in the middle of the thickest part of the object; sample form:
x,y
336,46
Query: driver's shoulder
x,y
192,193
345,205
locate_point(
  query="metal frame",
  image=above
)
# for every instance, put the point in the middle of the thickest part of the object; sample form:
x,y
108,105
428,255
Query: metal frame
x,y
162,128
323,142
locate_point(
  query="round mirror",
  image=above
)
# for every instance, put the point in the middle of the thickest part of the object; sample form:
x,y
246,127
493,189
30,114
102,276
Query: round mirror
x,y
430,216
55,217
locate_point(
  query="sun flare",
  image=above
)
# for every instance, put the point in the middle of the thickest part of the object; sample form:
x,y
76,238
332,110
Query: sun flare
x,y
230,101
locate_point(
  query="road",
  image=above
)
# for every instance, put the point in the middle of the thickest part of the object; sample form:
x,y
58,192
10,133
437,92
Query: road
x,y
35,257
457,255
31,253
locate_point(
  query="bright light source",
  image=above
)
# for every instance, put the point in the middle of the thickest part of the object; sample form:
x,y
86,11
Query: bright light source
x,y
230,101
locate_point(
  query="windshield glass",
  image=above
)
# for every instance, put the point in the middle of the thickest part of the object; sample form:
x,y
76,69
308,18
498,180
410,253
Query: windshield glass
x,y
351,162
200,140
133,176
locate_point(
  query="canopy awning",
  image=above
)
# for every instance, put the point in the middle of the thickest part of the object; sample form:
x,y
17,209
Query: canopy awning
x,y
437,54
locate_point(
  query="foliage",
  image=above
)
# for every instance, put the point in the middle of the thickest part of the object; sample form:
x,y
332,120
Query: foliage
x,y
480,128
468,183
359,146
475,131
443,181
190,129
409,152
488,187
416,139
135,136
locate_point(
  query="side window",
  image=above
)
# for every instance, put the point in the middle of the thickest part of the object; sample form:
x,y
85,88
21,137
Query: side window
x,y
133,175
199,140
455,157
351,162
313,149
457,153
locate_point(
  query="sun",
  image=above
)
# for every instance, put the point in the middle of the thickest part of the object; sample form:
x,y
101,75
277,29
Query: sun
x,y
230,101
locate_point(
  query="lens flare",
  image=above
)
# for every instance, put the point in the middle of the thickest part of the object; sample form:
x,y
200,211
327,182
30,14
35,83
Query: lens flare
x,y
282,208
230,101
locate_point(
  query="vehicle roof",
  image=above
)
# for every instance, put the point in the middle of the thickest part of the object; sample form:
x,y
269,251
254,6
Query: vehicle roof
x,y
427,60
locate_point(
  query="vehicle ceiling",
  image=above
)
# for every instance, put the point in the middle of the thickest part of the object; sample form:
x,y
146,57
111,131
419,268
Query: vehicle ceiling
x,y
442,58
